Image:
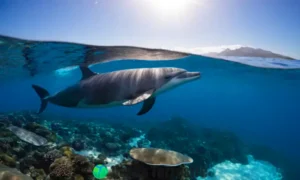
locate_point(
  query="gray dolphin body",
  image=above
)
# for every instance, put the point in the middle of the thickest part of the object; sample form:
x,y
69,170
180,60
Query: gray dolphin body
x,y
124,87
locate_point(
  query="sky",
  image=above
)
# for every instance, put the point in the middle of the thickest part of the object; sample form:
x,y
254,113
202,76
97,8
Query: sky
x,y
192,25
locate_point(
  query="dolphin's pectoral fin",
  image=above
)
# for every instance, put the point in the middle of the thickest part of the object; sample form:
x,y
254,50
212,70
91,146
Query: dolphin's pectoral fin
x,y
139,99
148,99
147,106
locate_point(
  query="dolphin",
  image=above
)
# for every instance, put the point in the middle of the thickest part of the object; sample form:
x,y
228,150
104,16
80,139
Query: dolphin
x,y
117,88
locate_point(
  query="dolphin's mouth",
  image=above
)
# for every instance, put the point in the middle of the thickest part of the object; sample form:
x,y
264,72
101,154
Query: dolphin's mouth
x,y
188,75
194,74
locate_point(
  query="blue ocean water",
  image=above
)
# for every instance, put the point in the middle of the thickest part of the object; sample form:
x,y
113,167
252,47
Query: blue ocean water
x,y
261,105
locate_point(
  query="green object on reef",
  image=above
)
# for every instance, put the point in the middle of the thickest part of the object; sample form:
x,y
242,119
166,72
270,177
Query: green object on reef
x,y
100,171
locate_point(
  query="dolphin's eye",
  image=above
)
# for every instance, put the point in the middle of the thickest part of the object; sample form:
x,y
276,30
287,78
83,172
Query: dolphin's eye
x,y
168,77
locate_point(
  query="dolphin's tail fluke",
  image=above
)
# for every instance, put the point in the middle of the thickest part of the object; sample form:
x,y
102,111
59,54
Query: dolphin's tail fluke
x,y
43,94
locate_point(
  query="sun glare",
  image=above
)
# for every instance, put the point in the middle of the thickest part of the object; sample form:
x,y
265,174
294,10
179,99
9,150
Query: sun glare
x,y
171,7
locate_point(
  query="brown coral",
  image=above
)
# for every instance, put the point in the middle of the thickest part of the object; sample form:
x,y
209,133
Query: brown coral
x,y
66,168
156,156
50,156
82,165
61,169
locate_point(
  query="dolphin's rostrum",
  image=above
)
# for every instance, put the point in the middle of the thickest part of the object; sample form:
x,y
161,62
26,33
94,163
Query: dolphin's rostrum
x,y
124,87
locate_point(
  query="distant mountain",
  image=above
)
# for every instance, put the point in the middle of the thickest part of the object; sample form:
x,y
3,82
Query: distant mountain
x,y
248,52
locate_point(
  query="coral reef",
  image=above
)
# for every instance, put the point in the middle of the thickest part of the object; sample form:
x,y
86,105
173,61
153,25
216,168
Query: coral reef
x,y
76,167
74,149
61,169
133,169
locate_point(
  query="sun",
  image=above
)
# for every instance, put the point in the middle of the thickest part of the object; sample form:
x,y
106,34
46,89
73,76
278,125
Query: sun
x,y
171,7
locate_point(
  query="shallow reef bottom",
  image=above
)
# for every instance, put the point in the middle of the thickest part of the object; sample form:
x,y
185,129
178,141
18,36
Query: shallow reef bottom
x,y
75,148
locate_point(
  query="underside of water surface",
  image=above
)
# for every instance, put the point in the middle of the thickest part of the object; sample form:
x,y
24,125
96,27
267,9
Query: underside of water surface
x,y
238,121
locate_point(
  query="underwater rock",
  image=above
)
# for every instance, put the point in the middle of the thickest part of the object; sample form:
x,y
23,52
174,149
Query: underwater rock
x,y
61,169
28,136
7,173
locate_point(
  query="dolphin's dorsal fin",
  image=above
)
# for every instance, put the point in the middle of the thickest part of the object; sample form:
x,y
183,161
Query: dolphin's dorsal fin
x,y
86,72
